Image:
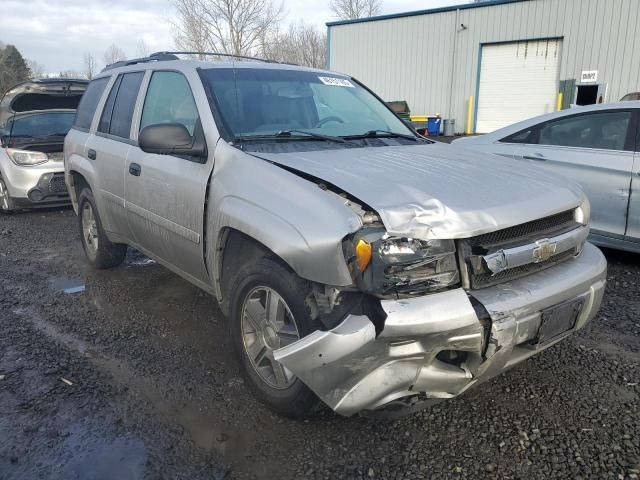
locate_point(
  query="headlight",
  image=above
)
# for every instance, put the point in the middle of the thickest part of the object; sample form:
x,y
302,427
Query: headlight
x,y
582,214
27,157
413,266
403,266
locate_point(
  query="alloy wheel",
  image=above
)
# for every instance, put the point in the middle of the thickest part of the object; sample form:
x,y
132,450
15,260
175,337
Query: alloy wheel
x,y
267,324
89,228
4,196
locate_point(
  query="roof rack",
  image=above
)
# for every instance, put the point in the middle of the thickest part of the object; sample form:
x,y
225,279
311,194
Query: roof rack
x,y
154,57
217,54
164,56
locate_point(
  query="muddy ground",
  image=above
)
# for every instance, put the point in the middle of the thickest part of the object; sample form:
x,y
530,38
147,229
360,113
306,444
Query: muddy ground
x,y
131,378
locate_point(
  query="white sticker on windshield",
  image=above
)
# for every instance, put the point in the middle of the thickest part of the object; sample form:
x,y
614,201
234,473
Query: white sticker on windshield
x,y
336,82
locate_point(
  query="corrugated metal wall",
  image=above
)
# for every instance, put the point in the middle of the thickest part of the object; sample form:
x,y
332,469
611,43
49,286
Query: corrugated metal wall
x,y
432,63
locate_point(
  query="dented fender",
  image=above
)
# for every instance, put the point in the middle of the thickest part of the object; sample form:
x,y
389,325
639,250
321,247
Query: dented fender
x,y
294,218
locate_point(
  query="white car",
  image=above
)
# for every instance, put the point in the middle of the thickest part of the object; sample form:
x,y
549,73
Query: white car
x,y
597,146
35,116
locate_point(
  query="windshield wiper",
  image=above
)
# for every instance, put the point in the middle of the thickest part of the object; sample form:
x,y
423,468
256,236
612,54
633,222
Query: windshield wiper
x,y
385,133
289,134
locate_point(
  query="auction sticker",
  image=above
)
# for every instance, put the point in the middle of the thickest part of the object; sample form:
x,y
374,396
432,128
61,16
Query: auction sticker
x,y
336,82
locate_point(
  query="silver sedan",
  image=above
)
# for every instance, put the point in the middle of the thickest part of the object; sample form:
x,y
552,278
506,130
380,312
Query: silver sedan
x,y
597,146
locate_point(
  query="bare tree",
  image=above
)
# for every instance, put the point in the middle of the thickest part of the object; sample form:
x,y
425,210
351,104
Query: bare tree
x,y
226,26
114,54
301,44
89,65
350,9
70,74
142,49
192,31
37,69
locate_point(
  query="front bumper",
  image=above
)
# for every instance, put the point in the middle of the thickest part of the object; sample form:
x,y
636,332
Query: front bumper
x,y
38,185
351,369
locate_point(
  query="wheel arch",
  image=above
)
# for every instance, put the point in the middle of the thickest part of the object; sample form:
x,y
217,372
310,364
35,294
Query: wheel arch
x,y
235,249
77,181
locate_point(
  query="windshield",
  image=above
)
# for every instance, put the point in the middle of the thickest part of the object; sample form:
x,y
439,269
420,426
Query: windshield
x,y
263,102
39,125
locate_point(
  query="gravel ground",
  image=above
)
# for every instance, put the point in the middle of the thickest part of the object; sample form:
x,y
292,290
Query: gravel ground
x,y
132,378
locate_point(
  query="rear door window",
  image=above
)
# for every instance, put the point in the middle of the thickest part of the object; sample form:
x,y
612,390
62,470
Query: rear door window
x,y
89,103
169,100
118,110
602,130
107,110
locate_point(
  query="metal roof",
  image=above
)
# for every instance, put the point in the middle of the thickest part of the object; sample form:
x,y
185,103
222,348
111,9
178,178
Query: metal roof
x,y
463,6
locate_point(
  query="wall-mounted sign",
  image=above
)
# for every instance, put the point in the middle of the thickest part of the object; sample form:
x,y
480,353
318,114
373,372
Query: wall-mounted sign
x,y
589,76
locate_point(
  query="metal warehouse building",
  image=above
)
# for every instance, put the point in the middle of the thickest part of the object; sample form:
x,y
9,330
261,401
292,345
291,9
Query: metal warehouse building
x,y
506,59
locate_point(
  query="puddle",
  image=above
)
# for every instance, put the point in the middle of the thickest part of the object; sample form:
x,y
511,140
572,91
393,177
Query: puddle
x,y
78,289
137,259
67,285
141,262
99,458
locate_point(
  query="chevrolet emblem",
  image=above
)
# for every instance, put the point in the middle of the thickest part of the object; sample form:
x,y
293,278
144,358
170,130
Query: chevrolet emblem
x,y
544,250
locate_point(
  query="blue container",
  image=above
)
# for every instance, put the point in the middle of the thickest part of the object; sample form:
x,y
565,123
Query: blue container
x,y
433,126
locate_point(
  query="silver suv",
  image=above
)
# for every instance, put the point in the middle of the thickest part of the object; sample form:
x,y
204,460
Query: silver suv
x,y
357,262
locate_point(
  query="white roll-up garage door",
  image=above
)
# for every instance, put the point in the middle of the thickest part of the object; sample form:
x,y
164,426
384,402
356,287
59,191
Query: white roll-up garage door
x,y
517,81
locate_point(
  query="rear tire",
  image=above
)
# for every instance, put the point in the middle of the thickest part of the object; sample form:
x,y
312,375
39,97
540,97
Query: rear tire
x,y
267,311
100,252
6,202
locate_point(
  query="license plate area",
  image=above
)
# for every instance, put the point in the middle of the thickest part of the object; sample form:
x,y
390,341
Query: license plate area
x,y
559,319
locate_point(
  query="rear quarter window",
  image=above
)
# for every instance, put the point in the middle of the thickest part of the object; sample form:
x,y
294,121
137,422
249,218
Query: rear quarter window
x,y
89,103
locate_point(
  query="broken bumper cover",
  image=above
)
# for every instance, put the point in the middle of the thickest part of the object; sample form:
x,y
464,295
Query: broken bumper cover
x,y
351,369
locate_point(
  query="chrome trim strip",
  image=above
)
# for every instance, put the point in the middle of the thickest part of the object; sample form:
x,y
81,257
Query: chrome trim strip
x,y
536,252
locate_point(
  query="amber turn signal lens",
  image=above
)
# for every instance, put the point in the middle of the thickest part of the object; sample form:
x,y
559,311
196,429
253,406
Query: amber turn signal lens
x,y
363,254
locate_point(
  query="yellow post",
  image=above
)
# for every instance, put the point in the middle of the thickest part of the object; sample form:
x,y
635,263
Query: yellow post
x,y
469,114
559,102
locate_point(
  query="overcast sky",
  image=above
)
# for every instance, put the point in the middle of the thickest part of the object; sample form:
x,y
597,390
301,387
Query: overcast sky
x,y
56,33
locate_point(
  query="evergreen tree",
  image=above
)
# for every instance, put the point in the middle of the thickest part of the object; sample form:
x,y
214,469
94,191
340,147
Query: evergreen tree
x,y
13,68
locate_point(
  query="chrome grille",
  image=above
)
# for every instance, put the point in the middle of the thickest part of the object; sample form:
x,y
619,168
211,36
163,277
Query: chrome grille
x,y
57,185
478,276
543,227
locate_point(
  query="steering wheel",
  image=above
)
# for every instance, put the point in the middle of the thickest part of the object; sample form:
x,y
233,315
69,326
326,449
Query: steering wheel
x,y
331,118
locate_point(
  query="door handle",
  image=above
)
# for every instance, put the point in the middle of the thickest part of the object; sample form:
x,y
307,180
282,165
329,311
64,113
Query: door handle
x,y
536,156
91,154
135,169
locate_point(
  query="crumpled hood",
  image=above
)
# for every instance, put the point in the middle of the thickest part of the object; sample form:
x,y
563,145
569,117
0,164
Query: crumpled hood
x,y
438,190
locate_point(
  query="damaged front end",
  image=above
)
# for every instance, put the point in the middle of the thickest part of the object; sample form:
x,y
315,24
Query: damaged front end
x,y
383,265
431,335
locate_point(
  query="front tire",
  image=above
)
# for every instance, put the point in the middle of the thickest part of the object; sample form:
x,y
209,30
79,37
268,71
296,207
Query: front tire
x,y
100,251
267,312
6,202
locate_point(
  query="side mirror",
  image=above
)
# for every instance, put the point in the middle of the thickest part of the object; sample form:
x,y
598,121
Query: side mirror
x,y
170,139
